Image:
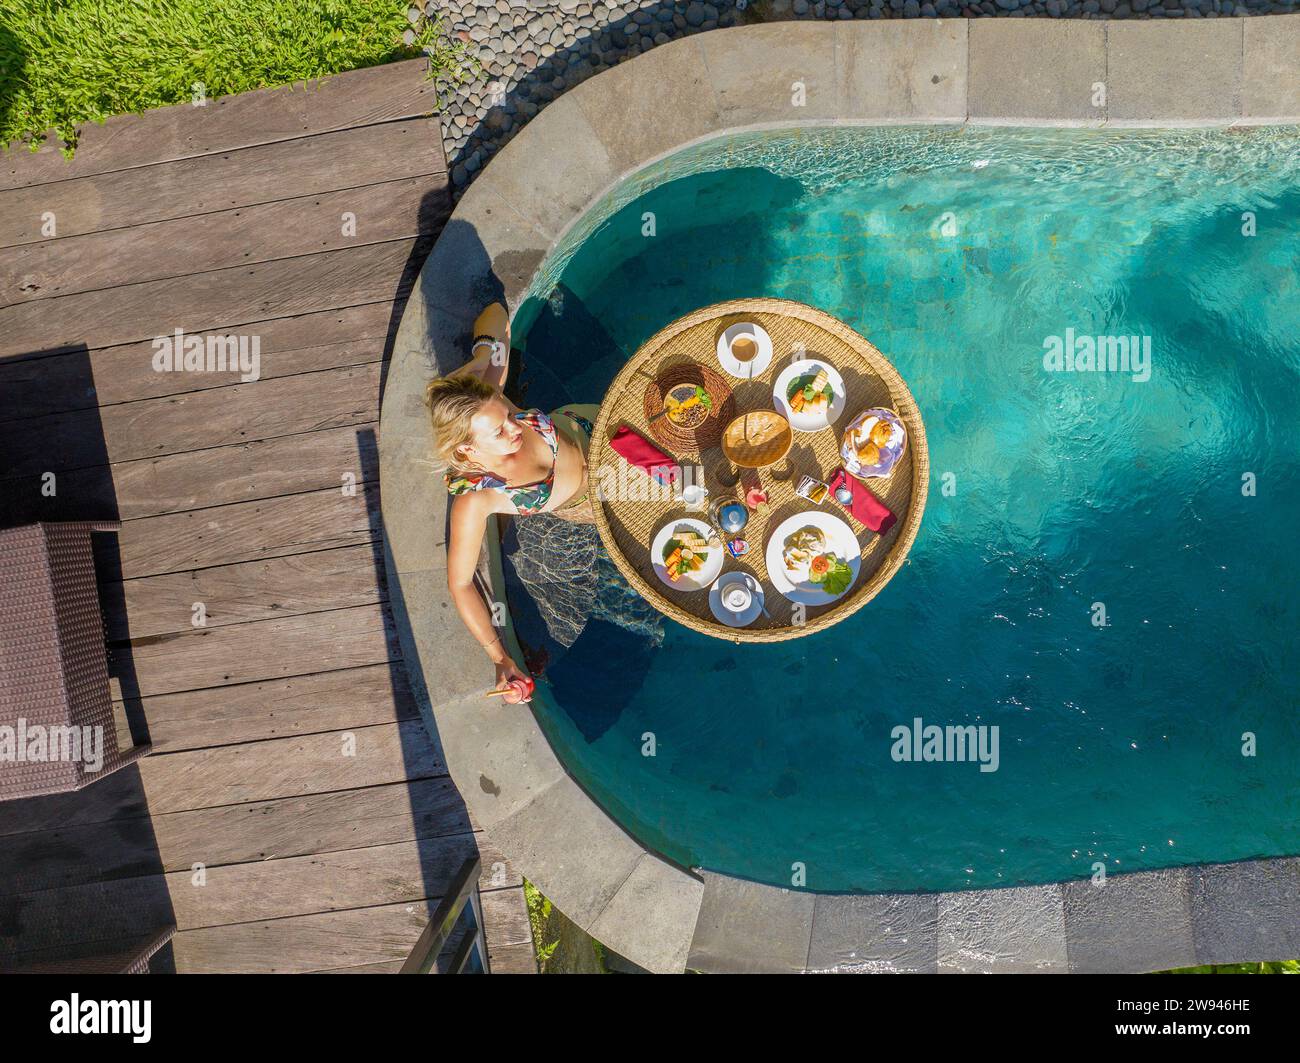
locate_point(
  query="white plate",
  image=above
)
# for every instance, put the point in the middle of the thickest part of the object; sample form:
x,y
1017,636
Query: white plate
x,y
840,540
809,422
725,615
756,365
692,581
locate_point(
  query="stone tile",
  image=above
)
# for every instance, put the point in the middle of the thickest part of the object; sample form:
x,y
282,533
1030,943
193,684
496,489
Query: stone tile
x,y
652,916
414,504
901,70
748,928
454,665
1134,923
650,105
413,499
435,340
1179,73
1024,70
1002,931
1270,84
498,756
574,853
761,73
552,170
1247,911
895,933
487,252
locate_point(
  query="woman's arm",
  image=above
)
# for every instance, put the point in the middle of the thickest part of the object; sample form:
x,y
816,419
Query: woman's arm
x,y
491,363
469,515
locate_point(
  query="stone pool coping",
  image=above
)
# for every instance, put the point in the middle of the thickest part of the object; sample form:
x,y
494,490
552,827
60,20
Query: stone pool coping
x,y
1219,72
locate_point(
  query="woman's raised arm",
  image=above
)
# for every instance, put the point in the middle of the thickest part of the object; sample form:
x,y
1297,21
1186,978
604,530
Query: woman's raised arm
x,y
490,362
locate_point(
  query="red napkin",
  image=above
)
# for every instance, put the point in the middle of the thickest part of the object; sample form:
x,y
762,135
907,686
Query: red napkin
x,y
865,507
644,455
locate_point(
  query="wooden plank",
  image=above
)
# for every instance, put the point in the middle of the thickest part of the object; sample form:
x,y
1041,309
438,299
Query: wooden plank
x,y
197,420
312,461
266,649
228,301
264,173
76,854
513,959
242,834
322,882
244,531
120,794
387,967
361,97
253,590
81,379
505,918
413,872
353,938
290,767
288,227
254,712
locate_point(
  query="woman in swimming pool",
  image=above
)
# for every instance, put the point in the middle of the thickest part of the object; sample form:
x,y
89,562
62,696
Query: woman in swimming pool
x,y
501,459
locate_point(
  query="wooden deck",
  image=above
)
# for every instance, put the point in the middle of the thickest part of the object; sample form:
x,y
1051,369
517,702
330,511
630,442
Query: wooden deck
x,y
294,815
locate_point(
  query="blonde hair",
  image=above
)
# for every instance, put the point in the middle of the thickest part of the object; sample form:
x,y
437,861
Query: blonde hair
x,y
453,401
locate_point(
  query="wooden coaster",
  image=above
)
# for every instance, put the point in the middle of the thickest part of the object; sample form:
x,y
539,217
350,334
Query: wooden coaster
x,y
703,435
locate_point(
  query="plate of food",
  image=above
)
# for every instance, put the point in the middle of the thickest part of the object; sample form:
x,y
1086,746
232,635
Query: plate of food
x,y
813,558
687,554
873,442
810,393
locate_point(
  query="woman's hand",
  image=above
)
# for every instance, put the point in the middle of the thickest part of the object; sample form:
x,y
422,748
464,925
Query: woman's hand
x,y
506,672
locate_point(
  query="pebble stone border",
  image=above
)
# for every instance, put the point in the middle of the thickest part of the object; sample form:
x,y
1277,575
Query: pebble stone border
x,y
531,51
664,918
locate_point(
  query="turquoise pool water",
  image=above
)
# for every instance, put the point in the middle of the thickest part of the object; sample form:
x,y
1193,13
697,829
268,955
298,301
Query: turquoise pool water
x,y
958,253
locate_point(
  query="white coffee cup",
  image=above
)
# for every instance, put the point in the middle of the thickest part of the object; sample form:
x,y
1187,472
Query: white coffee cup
x,y
737,596
694,494
744,346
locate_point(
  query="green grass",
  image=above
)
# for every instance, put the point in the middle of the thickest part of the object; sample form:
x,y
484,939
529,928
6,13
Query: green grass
x,y
562,946
1278,967
66,62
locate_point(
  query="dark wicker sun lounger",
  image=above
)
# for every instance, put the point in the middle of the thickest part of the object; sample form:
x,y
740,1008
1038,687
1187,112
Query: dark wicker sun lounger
x,y
53,661
125,957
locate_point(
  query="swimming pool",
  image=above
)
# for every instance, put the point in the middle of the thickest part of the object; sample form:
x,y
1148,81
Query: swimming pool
x,y
967,256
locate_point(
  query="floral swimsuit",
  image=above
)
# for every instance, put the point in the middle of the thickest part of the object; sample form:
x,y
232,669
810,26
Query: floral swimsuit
x,y
531,498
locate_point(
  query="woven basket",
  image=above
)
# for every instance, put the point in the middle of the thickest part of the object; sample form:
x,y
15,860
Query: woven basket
x,y
674,436
627,524
757,439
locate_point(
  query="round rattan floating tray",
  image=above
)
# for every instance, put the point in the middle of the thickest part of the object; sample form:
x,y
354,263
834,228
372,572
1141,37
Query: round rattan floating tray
x,y
629,511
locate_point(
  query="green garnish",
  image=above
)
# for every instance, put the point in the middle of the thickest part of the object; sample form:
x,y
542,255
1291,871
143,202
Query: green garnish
x,y
804,384
837,578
